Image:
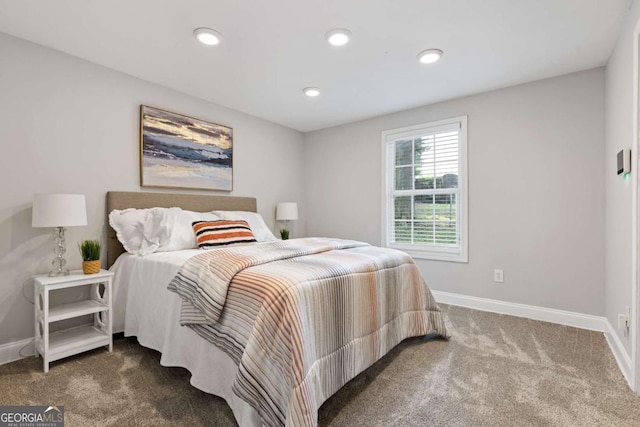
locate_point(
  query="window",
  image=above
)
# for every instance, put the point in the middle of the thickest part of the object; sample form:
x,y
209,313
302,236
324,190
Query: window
x,y
425,195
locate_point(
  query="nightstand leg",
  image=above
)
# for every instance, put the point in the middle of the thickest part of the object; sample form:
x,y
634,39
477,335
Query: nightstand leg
x,y
45,326
110,322
36,313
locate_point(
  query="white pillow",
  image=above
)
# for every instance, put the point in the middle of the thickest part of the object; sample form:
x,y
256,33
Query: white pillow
x,y
180,233
144,231
256,223
141,231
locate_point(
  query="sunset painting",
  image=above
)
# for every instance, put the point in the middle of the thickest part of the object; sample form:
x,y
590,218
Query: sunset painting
x,y
180,151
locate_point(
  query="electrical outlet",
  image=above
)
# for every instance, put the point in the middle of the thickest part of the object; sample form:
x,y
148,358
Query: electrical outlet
x,y
498,276
628,322
622,322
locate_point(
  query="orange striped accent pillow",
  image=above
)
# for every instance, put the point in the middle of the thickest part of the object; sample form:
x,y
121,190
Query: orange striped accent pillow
x,y
222,233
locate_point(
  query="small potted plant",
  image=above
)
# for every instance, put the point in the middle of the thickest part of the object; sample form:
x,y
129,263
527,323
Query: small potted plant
x,y
90,251
284,234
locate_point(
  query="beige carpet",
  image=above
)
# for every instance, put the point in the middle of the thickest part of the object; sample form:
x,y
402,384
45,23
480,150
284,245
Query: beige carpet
x,y
495,371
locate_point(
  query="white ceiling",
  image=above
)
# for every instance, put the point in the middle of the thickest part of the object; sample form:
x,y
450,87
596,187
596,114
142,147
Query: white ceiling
x,y
273,49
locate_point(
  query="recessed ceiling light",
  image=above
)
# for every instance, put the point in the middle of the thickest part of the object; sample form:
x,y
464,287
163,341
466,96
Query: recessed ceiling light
x,y
338,36
430,56
311,92
207,36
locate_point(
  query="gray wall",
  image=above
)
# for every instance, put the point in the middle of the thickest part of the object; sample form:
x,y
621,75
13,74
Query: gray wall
x,y
71,126
535,178
535,190
619,262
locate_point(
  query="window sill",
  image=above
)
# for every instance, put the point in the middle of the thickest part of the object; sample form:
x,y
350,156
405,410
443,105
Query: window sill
x,y
450,256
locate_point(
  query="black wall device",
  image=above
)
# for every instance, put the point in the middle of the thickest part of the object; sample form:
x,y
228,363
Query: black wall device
x,y
624,161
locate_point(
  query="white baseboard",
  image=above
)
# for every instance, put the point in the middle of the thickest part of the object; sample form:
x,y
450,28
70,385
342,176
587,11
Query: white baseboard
x,y
12,351
568,318
621,355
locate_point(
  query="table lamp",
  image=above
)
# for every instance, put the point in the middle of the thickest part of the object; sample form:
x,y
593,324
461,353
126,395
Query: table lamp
x,y
59,211
286,212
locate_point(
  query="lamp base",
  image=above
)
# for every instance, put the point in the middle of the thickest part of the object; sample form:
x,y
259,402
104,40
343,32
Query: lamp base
x,y
59,262
58,273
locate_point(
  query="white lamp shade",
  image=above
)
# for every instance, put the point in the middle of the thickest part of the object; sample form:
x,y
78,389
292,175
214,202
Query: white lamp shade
x,y
59,210
287,211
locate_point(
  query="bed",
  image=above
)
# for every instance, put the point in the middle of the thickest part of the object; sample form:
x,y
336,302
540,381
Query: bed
x,y
288,324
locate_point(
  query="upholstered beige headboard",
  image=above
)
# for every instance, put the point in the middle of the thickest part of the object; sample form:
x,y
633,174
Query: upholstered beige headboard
x,y
192,202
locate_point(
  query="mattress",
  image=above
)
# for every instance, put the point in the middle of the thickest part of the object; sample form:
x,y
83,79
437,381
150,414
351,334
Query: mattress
x,y
144,308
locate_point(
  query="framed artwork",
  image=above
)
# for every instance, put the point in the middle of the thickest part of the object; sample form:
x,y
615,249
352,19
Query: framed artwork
x,y
182,152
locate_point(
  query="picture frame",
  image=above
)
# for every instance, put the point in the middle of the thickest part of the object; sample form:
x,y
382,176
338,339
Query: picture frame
x,y
178,151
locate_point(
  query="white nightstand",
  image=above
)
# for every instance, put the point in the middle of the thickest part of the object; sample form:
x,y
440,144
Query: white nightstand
x,y
67,342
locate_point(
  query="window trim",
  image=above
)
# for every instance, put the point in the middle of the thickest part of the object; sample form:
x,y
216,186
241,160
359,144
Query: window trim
x,y
459,254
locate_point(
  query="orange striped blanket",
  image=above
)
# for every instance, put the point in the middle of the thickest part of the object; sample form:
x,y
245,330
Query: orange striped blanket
x,y
302,317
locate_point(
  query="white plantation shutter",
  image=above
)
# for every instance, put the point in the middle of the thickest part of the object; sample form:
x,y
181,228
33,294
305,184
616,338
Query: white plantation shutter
x,y
425,194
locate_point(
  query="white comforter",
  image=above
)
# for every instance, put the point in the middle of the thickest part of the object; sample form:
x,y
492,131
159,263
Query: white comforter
x,y
152,315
